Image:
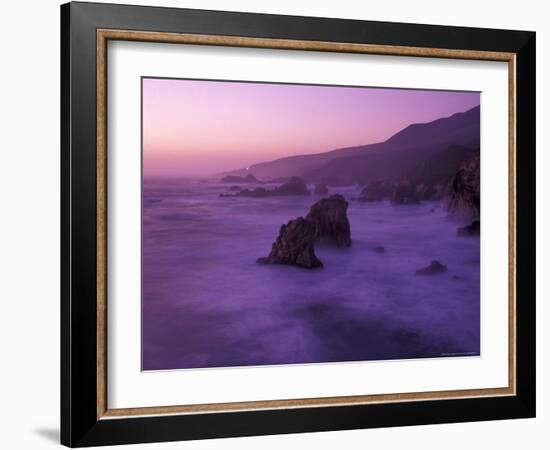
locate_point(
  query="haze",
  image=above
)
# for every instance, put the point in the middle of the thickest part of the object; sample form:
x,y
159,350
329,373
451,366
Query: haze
x,y
198,128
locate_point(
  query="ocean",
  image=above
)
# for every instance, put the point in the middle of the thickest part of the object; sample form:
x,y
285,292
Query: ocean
x,y
207,303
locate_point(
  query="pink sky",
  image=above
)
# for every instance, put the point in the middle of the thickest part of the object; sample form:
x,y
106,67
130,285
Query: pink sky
x,y
197,128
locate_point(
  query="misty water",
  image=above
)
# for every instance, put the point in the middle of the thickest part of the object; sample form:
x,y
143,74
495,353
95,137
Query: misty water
x,y
206,303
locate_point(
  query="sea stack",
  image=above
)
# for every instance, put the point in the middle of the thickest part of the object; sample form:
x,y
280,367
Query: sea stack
x,y
464,190
330,218
294,245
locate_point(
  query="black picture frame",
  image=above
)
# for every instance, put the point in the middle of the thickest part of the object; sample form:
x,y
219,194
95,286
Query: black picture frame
x,y
80,425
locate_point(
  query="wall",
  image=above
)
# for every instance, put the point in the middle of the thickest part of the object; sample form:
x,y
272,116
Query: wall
x,y
29,242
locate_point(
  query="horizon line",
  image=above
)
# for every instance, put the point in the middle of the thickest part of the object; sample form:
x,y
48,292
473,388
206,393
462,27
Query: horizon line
x,y
215,174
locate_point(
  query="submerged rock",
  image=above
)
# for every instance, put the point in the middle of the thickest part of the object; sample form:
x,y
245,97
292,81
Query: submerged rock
x,y
379,249
469,230
434,268
294,245
330,218
405,194
235,188
463,198
321,189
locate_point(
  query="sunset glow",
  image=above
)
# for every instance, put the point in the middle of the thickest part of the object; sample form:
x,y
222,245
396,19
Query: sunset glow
x,y
200,128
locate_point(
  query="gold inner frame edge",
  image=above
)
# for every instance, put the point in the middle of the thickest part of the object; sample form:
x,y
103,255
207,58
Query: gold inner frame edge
x,y
103,36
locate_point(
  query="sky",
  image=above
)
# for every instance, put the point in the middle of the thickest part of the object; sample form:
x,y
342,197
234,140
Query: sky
x,y
201,128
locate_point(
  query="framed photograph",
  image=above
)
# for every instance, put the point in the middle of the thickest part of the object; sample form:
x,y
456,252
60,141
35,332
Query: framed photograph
x,y
277,224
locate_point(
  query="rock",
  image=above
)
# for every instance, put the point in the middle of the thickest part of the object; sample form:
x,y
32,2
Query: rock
x,y
463,198
405,194
294,245
379,249
236,179
235,188
257,192
469,230
329,215
376,191
294,186
321,189
434,268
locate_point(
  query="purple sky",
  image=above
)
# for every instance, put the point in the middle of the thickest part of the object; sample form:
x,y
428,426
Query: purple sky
x,y
196,128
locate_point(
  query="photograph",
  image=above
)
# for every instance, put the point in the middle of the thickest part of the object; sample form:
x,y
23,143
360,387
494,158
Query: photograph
x,y
278,223
299,223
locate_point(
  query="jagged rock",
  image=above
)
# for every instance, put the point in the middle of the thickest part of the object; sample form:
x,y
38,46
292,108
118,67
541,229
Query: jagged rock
x,y
321,189
329,215
405,194
294,245
464,190
469,230
434,268
376,191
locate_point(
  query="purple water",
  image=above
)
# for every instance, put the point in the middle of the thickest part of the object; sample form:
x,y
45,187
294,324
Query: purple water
x,y
206,303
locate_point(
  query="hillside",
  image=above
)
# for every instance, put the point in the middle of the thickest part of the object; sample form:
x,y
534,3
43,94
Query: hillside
x,y
386,160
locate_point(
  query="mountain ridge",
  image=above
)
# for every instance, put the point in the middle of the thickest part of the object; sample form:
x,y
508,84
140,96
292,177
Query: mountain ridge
x,y
461,128
419,139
